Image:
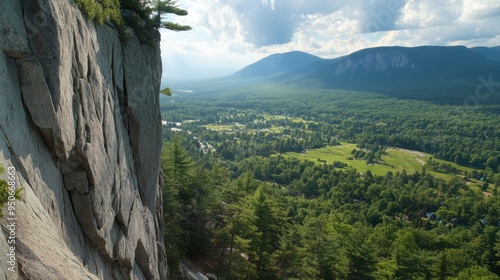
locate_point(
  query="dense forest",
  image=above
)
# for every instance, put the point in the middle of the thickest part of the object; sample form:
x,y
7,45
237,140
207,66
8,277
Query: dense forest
x,y
248,204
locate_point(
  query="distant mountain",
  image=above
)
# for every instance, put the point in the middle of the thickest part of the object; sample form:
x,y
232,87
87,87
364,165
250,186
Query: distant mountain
x,y
389,64
276,65
442,74
492,53
307,70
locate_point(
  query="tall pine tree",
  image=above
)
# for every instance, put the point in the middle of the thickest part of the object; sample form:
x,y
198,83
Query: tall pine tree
x,y
176,165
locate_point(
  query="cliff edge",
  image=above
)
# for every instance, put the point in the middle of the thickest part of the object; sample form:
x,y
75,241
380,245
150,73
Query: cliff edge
x,y
80,124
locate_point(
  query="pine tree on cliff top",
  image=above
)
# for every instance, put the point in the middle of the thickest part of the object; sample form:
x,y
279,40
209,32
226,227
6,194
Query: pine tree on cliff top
x,y
151,11
162,7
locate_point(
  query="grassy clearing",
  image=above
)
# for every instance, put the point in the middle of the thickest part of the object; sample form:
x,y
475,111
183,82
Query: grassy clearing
x,y
233,127
274,129
268,117
224,127
462,168
413,161
395,160
342,153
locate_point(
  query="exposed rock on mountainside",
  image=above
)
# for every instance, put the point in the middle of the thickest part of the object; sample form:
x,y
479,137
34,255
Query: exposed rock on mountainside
x,y
379,61
80,122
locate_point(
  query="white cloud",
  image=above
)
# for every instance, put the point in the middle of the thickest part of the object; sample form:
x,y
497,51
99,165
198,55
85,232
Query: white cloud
x,y
233,33
428,13
478,10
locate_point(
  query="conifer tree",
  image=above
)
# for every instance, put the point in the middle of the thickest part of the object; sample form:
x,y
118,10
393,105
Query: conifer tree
x,y
176,161
162,7
176,165
234,239
268,229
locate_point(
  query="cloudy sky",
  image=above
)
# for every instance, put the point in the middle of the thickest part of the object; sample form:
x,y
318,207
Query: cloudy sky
x,y
229,34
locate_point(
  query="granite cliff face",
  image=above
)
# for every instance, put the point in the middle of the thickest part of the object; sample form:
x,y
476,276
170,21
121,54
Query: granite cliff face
x,y
378,61
80,122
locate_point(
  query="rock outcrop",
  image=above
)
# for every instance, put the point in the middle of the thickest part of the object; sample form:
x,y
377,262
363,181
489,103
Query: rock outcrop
x,y
80,123
378,61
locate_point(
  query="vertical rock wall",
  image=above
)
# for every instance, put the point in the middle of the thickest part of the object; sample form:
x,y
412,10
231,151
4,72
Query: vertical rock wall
x,y
80,122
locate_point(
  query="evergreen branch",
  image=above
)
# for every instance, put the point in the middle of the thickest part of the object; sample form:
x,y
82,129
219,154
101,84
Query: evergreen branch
x,y
175,26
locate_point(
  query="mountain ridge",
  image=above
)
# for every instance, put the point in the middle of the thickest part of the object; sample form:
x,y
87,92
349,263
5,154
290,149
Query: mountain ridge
x,y
449,73
489,52
275,65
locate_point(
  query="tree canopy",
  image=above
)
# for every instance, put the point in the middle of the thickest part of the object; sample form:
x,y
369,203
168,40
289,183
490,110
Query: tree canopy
x,y
152,12
279,207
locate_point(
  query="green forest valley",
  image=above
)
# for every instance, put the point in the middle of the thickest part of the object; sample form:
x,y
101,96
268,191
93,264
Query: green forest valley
x,y
274,182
